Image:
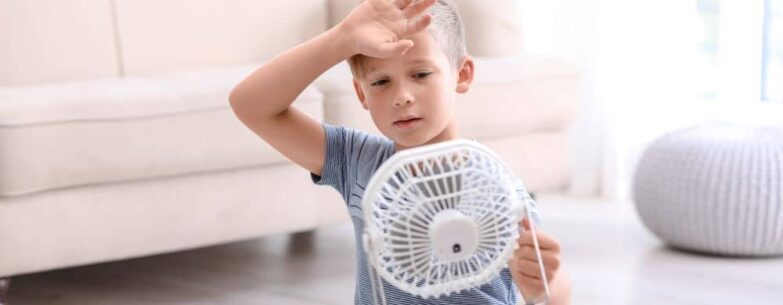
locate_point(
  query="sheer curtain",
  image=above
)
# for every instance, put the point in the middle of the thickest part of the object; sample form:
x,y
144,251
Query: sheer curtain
x,y
641,63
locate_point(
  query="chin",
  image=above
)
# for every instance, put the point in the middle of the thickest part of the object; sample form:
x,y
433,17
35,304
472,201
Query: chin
x,y
412,140
407,142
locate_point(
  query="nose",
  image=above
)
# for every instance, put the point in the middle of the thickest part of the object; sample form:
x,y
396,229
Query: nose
x,y
401,102
402,98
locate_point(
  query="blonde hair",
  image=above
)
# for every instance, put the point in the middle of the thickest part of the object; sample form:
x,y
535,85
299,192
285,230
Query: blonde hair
x,y
447,30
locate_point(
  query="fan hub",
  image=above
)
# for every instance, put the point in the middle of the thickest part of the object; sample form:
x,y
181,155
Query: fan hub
x,y
454,236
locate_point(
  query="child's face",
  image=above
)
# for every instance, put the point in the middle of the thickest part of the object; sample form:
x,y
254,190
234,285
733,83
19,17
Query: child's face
x,y
411,97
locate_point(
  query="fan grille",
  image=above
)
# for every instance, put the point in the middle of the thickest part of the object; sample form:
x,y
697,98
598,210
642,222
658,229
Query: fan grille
x,y
467,179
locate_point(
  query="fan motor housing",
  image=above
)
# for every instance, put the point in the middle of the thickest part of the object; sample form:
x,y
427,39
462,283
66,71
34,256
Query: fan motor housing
x,y
454,236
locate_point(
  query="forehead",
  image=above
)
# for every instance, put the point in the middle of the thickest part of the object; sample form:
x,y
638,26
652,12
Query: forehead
x,y
425,51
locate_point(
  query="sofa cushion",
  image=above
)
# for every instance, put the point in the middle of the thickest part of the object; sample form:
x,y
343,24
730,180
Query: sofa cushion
x,y
520,95
80,133
541,159
45,41
493,28
509,96
157,36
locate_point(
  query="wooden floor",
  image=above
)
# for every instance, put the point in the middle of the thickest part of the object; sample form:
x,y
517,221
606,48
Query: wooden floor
x,y
612,259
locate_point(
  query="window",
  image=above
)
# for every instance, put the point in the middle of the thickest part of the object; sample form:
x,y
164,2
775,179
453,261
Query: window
x,y
740,50
707,58
772,59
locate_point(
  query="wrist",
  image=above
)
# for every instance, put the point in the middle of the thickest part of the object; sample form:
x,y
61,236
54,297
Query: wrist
x,y
339,42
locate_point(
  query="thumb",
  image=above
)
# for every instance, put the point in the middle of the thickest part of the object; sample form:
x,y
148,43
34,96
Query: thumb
x,y
396,48
526,223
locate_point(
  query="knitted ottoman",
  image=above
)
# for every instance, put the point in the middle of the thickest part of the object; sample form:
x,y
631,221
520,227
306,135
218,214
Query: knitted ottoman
x,y
715,188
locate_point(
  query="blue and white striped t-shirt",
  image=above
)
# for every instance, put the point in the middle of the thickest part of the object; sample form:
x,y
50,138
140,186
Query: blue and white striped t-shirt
x,y
352,157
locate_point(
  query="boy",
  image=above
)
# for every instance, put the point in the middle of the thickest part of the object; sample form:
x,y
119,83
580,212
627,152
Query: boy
x,y
407,73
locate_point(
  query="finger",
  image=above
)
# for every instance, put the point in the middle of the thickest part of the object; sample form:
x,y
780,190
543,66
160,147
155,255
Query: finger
x,y
529,269
533,286
529,253
401,4
418,25
526,223
525,239
387,9
395,48
551,260
417,8
545,241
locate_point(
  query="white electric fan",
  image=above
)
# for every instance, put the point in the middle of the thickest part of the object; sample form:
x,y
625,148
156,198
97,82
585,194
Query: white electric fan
x,y
442,218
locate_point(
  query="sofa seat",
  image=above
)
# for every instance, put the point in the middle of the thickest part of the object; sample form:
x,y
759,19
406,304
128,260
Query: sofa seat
x,y
95,132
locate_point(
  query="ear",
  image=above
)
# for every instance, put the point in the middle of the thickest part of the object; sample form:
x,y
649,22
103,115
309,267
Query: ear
x,y
465,75
359,93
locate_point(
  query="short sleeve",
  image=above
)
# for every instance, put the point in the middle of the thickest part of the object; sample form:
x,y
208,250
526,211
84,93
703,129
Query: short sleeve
x,y
351,158
335,161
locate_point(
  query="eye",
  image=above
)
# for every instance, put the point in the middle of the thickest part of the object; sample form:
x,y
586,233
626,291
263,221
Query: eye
x,y
421,74
380,82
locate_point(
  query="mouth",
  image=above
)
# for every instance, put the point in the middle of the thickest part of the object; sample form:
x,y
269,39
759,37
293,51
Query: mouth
x,y
407,123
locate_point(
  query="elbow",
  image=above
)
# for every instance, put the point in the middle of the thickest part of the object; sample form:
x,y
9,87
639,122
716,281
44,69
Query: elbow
x,y
237,102
244,107
247,106
234,98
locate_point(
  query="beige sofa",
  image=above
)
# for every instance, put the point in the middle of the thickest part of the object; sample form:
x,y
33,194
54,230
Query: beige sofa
x,y
117,141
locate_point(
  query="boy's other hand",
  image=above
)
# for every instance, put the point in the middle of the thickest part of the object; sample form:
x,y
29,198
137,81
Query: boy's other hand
x,y
378,28
524,263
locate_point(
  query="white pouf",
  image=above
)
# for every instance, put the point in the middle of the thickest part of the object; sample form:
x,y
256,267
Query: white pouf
x,y
714,188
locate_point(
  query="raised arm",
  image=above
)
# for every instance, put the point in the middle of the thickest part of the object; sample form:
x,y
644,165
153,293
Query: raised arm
x,y
262,101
